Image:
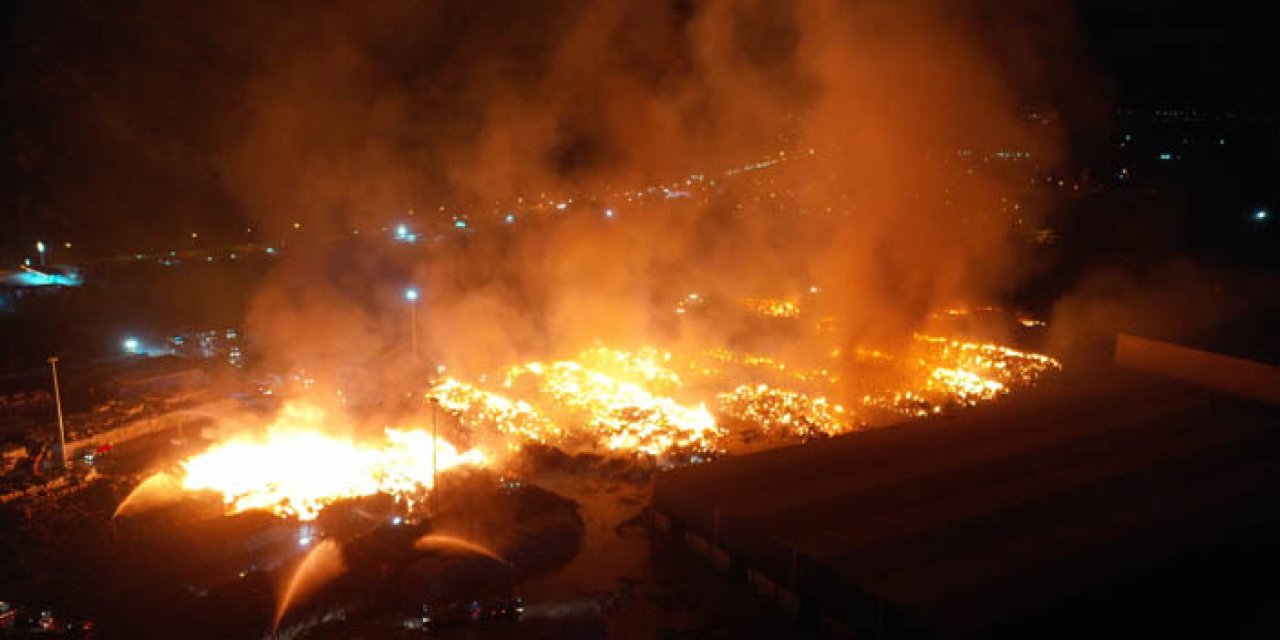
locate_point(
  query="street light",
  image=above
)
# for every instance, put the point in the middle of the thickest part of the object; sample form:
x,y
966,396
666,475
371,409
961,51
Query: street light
x,y
131,345
40,249
435,442
411,296
57,402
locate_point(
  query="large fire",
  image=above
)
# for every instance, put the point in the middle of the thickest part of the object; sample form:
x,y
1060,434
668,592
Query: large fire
x,y
611,400
600,411
297,466
648,402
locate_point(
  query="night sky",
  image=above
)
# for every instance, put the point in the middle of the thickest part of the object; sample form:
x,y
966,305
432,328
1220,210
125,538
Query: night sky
x,y
121,120
1208,54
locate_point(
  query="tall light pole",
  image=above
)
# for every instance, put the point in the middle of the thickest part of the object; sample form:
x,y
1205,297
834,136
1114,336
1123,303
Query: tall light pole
x,y
411,295
57,402
435,442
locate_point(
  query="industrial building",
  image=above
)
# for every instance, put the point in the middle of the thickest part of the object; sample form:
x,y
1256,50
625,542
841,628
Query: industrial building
x,y
1106,502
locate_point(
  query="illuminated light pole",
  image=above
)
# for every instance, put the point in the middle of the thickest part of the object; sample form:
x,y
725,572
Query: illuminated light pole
x,y
40,249
435,442
57,402
411,295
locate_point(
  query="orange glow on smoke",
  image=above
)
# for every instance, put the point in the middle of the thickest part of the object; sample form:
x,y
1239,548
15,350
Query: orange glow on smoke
x,y
772,307
297,467
608,401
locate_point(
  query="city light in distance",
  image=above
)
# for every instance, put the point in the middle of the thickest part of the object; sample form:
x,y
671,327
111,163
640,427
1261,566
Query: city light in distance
x,y
1261,215
131,345
411,294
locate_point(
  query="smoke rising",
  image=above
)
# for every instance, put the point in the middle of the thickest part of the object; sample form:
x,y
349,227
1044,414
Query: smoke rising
x,y
352,117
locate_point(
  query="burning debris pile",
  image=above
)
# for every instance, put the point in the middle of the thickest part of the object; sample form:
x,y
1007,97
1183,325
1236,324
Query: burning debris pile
x,y
973,372
649,403
943,373
477,409
606,400
299,466
658,405
615,401
779,411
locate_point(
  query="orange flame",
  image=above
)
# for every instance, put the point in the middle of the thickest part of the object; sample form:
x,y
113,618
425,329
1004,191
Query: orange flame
x,y
297,468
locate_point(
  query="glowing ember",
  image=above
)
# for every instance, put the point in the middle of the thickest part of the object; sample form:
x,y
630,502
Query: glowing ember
x,y
970,361
609,400
689,302
772,307
967,386
953,372
478,409
296,468
618,415
649,366
786,412
620,401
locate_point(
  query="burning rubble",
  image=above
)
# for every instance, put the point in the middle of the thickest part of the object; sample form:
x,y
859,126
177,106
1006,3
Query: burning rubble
x,y
298,466
614,401
650,404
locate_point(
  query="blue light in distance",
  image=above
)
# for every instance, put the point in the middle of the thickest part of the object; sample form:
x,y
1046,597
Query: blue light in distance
x,y
411,294
131,345
1261,215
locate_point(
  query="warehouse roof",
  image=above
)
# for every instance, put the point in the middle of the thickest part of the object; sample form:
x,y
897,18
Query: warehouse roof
x,y
964,523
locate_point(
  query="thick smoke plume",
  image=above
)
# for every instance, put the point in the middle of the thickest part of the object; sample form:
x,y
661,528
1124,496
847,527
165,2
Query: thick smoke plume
x,y
353,116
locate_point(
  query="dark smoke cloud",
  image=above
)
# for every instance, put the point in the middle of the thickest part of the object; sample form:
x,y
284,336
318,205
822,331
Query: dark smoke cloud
x,y
1226,309
352,119
343,115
